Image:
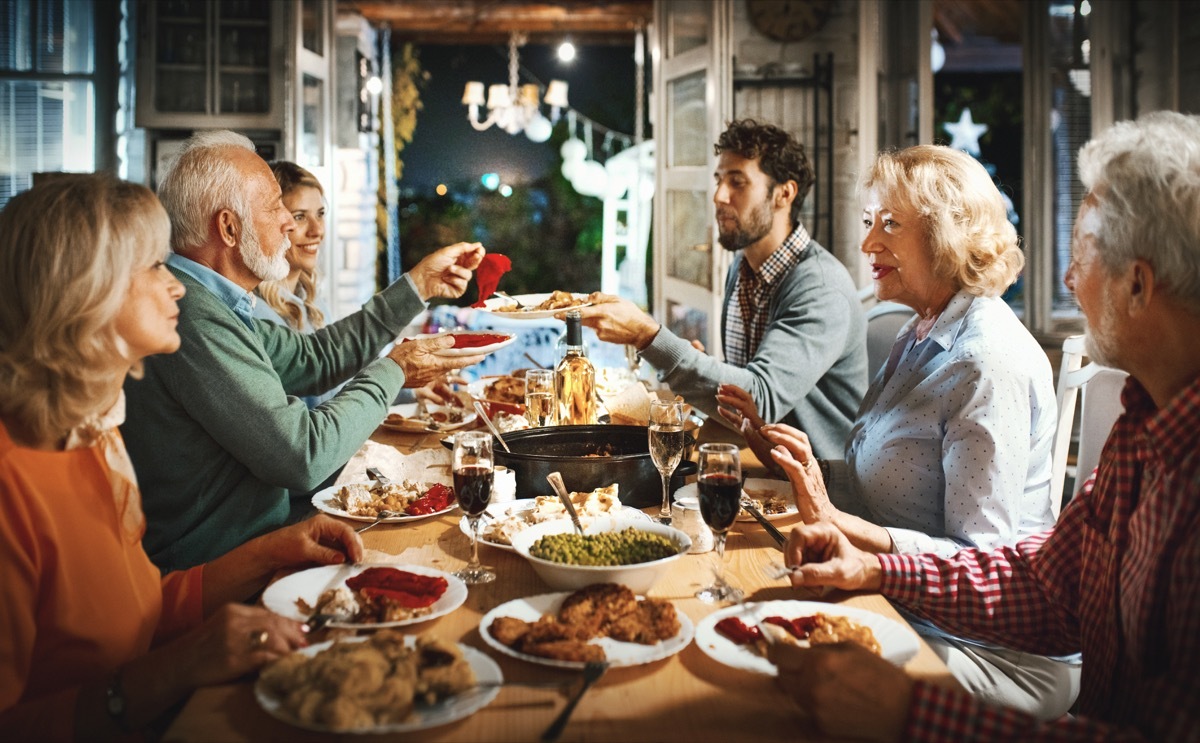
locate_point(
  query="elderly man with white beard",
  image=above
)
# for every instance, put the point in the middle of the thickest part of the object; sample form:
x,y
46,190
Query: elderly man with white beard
x,y
217,432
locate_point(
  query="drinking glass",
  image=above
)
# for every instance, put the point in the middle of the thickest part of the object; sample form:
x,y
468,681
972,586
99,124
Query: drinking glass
x,y
666,446
720,486
473,467
540,403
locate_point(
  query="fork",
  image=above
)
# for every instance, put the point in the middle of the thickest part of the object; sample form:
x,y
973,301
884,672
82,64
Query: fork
x,y
591,673
509,297
379,517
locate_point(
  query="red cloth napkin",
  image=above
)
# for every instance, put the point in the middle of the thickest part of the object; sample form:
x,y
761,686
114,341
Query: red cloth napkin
x,y
487,276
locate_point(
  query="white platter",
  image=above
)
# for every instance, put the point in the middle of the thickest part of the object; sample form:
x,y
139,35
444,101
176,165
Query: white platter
x,y
509,338
503,510
487,673
618,653
530,300
898,643
326,502
411,425
783,487
280,597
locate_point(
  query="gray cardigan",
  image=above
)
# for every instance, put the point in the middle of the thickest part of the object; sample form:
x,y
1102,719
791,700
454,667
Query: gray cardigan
x,y
810,371
218,435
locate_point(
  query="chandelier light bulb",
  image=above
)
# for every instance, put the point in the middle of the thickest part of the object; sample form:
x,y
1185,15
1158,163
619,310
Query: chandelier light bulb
x,y
566,51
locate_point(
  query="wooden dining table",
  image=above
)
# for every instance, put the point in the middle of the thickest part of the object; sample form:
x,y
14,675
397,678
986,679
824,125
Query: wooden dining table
x,y
686,697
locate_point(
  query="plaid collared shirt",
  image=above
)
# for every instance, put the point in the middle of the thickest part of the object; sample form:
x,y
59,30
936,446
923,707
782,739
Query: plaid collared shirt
x,y
747,306
1118,578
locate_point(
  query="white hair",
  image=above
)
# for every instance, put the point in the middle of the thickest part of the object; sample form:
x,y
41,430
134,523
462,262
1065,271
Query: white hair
x,y
1146,174
200,183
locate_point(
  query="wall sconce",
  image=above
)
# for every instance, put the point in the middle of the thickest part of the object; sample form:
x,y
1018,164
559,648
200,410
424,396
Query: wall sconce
x,y
512,107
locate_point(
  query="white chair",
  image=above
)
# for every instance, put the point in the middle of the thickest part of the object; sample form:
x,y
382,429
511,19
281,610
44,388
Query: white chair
x,y
1100,407
884,321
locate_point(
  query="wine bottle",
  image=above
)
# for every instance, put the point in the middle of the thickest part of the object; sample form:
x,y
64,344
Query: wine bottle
x,y
575,379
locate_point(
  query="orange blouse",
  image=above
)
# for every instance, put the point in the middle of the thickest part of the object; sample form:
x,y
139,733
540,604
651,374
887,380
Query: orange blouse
x,y
79,597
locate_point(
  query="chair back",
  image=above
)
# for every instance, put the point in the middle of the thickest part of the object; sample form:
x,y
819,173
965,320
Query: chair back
x,y
884,321
1100,403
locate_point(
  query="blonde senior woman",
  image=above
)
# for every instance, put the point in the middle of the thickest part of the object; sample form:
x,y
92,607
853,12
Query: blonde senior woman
x,y
951,447
95,642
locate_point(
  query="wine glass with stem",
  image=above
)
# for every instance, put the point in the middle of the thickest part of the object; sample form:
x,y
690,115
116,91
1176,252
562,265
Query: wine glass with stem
x,y
666,446
473,468
720,486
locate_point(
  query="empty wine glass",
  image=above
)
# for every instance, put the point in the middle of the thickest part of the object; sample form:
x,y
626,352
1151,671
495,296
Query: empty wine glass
x,y
473,468
540,403
720,486
666,446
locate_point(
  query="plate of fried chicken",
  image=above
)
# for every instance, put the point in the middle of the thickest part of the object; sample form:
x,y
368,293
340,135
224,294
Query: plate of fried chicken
x,y
602,622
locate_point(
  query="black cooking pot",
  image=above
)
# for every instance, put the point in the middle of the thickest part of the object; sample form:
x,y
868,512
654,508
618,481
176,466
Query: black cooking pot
x,y
536,452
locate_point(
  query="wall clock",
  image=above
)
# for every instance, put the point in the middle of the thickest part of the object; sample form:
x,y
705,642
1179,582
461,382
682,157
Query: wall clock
x,y
788,20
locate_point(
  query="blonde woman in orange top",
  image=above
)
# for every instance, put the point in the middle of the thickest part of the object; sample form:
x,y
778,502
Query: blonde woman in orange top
x,y
95,643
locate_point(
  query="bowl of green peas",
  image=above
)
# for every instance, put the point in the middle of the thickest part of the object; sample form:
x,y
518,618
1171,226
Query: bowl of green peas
x,y
611,550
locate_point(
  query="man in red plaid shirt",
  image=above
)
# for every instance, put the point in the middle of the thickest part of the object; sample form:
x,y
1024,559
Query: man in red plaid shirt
x,y
1118,578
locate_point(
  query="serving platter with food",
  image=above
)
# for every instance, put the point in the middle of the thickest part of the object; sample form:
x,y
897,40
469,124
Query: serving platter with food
x,y
388,682
366,596
535,306
403,418
471,342
412,500
604,621
730,636
508,389
503,521
773,498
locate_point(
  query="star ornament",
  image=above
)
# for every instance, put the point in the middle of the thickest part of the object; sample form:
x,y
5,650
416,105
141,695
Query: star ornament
x,y
965,133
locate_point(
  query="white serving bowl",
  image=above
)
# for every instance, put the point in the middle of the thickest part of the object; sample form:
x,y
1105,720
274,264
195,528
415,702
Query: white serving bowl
x,y
640,578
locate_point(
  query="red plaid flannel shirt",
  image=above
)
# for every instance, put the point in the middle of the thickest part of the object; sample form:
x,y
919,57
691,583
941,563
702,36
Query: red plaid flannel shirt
x,y
1118,578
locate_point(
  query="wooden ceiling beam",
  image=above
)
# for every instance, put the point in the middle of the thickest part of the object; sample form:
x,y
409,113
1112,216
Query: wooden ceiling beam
x,y
491,21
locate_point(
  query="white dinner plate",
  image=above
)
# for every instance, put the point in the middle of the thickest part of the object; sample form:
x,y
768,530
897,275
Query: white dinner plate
x,y
504,510
280,597
326,502
479,388
618,653
530,300
487,673
783,487
898,643
412,425
509,338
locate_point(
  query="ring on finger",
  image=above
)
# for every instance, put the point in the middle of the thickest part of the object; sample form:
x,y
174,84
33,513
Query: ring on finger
x,y
259,638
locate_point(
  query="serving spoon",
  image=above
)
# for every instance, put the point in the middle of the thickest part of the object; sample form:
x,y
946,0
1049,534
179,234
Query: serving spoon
x,y
556,482
491,426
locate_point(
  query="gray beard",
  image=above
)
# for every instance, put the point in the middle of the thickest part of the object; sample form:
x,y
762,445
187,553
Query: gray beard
x,y
266,269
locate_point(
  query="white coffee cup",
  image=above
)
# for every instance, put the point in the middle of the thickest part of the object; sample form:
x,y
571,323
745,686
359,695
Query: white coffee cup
x,y
685,516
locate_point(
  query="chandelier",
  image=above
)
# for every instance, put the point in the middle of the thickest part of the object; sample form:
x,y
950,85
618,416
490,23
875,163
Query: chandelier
x,y
515,108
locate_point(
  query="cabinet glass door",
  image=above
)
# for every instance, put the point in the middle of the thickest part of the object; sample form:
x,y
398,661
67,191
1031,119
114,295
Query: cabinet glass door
x,y
243,69
181,57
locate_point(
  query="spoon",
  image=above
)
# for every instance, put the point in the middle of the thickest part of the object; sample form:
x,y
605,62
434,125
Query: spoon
x,y
509,297
556,482
491,426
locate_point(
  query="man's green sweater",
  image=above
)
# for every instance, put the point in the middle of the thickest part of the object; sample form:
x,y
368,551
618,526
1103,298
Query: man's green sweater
x,y
218,435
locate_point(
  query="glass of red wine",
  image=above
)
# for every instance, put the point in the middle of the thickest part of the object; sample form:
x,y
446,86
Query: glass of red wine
x,y
720,486
472,469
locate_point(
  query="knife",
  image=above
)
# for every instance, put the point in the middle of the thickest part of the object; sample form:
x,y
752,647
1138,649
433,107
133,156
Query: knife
x,y
748,506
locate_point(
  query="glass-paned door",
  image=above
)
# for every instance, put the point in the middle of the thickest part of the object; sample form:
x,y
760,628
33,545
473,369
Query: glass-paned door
x,y
694,104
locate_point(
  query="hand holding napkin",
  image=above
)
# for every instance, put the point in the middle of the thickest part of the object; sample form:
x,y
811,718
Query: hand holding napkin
x,y
487,276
